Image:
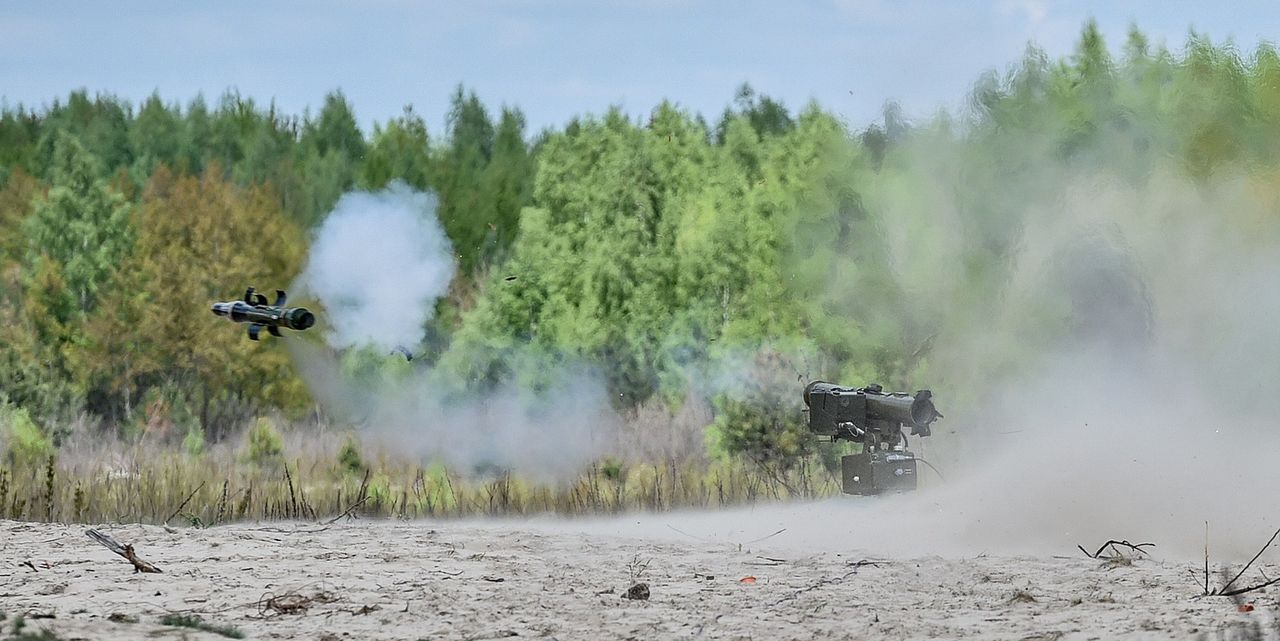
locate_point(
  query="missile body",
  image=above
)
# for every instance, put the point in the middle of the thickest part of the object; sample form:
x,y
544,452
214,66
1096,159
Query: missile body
x,y
255,311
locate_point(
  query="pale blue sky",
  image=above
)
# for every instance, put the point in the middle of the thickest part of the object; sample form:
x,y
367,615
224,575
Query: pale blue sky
x,y
558,58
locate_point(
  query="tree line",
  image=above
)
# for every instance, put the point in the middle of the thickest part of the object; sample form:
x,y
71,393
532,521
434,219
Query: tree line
x,y
665,249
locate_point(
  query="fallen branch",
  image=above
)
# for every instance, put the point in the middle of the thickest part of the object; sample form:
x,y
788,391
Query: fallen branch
x,y
125,551
865,562
351,509
1136,547
814,586
291,602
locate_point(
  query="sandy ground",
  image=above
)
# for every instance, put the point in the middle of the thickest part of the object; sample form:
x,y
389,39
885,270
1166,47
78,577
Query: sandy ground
x,y
552,579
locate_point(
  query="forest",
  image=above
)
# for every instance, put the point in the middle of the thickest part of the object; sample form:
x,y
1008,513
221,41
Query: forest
x,y
688,259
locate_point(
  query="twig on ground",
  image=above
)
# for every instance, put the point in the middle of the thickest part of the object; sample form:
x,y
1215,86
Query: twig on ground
x,y
866,562
291,602
125,551
814,586
1136,547
351,509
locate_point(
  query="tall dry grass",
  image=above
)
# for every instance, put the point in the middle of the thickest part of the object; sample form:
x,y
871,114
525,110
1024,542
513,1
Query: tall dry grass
x,y
154,480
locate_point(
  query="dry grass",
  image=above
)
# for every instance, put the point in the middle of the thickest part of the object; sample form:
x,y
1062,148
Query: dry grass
x,y
153,481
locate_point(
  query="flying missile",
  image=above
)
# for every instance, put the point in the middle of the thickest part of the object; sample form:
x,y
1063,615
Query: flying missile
x,y
255,311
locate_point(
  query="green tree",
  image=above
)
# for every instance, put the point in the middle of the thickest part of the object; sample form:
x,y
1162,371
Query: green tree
x,y
80,225
401,151
331,148
17,193
196,137
506,185
155,136
100,124
459,178
768,117
19,133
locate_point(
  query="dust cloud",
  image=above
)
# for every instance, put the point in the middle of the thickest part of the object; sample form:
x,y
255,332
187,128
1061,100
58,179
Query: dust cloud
x,y
1123,376
1115,377
1120,383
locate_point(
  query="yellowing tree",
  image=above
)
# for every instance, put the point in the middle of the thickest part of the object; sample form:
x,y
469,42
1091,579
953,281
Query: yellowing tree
x,y
198,240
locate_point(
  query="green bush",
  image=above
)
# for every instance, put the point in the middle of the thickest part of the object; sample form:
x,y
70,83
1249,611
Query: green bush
x,y
349,456
760,416
193,443
265,446
25,443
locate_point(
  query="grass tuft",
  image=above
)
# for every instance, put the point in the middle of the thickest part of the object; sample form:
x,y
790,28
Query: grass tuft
x,y
196,623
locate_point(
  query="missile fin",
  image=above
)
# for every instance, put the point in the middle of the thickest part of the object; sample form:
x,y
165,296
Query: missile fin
x,y
253,331
280,298
275,331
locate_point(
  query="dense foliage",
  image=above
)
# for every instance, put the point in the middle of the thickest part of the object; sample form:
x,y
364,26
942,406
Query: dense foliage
x,y
668,252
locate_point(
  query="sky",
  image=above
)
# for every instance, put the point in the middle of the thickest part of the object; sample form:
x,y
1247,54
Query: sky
x,y
556,59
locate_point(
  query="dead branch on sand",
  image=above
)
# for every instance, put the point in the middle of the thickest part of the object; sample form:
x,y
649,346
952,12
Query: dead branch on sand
x,y
831,580
292,602
125,551
349,510
814,586
1136,547
866,562
1226,590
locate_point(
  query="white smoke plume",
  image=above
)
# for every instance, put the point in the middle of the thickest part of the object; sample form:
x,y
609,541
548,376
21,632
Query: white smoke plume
x,y
379,263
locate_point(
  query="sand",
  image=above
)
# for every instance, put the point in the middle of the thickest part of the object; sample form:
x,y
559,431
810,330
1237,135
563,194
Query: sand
x,y
556,579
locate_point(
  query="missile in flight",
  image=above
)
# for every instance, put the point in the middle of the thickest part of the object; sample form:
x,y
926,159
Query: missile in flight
x,y
255,311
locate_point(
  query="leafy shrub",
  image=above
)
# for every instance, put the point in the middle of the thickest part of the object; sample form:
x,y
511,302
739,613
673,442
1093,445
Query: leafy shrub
x,y
761,418
264,446
193,443
25,443
349,457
